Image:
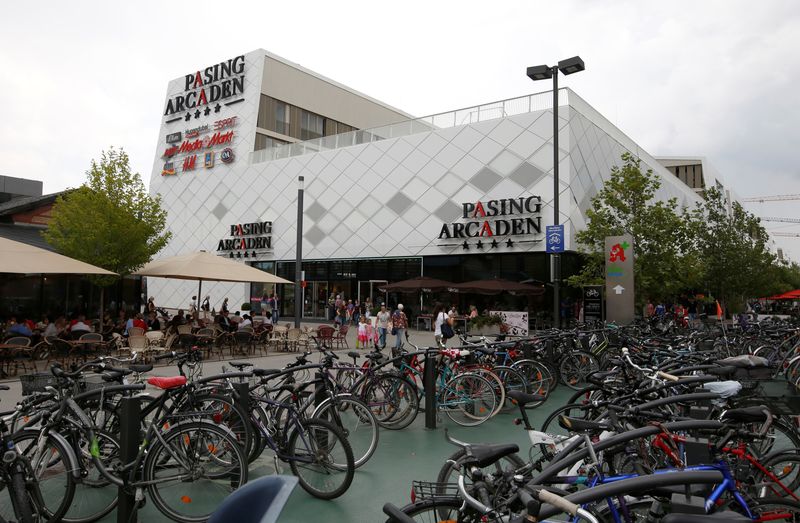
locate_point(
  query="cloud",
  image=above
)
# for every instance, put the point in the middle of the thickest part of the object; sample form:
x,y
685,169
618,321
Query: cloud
x,y
713,78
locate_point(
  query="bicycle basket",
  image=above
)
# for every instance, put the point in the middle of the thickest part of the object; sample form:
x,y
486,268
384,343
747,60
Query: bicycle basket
x,y
36,382
432,490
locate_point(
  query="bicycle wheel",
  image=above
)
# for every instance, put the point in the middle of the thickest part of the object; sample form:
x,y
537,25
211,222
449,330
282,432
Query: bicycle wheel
x,y
196,467
393,400
468,399
536,375
222,410
782,437
772,509
574,368
785,470
356,421
434,510
321,458
449,473
497,385
512,380
51,469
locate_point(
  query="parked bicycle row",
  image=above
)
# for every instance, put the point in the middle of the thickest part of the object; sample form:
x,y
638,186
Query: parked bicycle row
x,y
669,432
196,439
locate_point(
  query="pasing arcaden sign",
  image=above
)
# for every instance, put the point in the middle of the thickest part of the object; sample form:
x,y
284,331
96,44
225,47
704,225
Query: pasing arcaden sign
x,y
493,221
247,240
213,84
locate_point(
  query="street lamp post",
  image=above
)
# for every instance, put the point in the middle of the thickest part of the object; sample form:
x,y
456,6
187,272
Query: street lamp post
x,y
298,263
544,72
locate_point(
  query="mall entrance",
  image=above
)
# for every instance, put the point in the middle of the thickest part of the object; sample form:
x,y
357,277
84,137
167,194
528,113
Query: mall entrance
x,y
315,300
369,288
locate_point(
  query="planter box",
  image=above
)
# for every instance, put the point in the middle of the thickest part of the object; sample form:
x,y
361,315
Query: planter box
x,y
488,330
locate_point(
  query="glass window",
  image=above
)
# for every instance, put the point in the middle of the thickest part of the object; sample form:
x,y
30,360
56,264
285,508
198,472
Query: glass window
x,y
281,118
264,142
311,125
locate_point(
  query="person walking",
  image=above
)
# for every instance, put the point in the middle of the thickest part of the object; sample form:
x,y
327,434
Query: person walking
x,y
383,325
440,318
273,303
193,306
399,325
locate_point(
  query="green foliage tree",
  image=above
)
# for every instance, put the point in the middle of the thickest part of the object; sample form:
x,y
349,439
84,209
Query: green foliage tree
x,y
626,204
110,221
733,245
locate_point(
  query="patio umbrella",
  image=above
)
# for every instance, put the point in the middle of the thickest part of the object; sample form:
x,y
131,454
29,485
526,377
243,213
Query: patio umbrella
x,y
206,266
496,286
420,283
21,258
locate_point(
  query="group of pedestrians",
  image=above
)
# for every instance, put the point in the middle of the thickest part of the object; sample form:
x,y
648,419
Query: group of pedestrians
x,y
385,323
348,312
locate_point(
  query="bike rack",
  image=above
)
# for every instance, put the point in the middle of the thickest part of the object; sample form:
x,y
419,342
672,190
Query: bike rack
x,y
130,412
429,384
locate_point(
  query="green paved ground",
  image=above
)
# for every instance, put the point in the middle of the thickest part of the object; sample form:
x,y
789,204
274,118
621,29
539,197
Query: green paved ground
x,y
403,456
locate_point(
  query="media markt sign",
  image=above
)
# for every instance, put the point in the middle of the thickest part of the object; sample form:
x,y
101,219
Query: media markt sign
x,y
619,279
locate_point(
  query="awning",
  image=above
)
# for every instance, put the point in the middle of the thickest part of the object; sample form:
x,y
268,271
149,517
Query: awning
x,y
21,258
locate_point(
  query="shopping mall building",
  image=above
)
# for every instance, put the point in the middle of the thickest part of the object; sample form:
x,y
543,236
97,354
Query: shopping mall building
x,y
462,195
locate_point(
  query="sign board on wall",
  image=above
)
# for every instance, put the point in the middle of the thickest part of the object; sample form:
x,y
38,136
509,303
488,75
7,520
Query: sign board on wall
x,y
592,302
619,256
497,223
516,322
247,240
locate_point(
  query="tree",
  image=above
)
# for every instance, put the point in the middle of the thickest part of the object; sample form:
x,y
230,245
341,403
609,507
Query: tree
x,y
110,221
733,245
625,204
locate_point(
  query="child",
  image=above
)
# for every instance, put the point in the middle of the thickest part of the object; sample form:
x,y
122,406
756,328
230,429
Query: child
x,y
363,337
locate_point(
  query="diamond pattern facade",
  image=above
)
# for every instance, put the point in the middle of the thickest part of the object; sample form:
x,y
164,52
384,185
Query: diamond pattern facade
x,y
389,198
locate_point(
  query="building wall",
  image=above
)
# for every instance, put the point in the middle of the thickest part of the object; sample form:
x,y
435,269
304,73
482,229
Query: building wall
x,y
390,198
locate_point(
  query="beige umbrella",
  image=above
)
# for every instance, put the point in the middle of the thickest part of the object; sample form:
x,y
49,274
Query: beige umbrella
x,y
21,258
206,266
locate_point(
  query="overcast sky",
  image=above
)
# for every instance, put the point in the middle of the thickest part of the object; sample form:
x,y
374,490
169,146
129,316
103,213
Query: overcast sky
x,y
712,78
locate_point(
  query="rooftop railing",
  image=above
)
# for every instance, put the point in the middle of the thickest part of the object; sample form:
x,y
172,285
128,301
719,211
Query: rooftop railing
x,y
480,113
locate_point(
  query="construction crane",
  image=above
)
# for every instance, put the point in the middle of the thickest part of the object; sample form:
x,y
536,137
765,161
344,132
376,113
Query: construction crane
x,y
784,220
776,198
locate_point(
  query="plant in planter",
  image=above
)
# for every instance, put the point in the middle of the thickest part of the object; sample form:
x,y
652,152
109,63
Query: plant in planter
x,y
246,306
491,324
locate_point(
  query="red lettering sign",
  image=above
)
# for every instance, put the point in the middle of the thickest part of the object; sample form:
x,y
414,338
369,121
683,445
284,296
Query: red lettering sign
x,y
226,122
189,163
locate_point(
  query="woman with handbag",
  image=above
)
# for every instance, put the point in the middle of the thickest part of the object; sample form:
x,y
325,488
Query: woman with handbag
x,y
443,325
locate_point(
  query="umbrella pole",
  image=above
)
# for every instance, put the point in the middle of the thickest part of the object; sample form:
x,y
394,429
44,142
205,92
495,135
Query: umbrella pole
x,y
199,298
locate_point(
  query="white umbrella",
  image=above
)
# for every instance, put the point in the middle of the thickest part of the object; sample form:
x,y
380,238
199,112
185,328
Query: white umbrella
x,y
21,258
206,266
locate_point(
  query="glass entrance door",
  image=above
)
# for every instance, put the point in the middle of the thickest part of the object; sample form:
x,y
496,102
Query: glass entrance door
x,y
370,288
315,300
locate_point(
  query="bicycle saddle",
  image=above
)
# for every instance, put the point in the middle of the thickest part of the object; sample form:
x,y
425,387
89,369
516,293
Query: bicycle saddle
x,y
597,377
354,354
5,387
373,356
723,515
523,398
582,425
240,364
166,383
746,414
485,455
140,367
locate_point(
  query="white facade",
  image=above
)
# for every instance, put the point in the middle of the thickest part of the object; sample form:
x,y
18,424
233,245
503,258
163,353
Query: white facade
x,y
387,192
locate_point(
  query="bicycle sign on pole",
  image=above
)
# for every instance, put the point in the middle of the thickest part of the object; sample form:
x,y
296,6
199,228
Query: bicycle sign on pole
x,y
555,238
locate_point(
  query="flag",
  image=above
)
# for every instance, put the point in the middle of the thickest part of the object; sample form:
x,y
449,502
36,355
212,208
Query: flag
x,y
719,310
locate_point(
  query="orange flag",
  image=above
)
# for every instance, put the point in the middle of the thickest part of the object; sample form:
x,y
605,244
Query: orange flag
x,y
719,310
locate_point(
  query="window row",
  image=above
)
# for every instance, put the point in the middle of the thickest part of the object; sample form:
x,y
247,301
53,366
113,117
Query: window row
x,y
289,120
